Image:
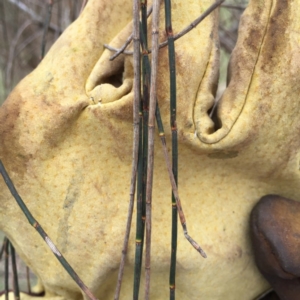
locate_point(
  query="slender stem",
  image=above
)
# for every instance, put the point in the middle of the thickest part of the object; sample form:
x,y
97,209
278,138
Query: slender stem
x,y
174,186
141,199
238,7
15,272
43,234
195,23
168,163
140,223
28,280
128,41
172,67
136,121
3,247
151,127
122,49
186,30
6,268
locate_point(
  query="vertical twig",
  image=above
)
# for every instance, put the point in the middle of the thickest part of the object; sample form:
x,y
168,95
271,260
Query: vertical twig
x,y
2,247
143,153
33,222
172,67
46,26
15,272
140,222
6,268
172,168
136,104
151,128
28,280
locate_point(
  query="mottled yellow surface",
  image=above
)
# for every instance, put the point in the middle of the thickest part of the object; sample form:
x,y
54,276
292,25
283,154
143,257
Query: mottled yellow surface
x,y
70,155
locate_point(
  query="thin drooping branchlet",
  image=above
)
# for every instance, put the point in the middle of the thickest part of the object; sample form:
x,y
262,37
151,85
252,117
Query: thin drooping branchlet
x,y
151,132
162,136
122,49
195,23
46,26
136,129
174,186
43,234
187,29
173,105
16,288
127,42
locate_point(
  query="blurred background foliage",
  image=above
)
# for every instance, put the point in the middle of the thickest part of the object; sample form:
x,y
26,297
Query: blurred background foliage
x,y
22,29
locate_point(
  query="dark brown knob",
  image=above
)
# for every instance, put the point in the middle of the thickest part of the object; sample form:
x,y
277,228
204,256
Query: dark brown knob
x,y
275,234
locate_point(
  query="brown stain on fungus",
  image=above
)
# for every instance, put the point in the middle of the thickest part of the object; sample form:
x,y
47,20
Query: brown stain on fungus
x,y
276,41
12,154
223,155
